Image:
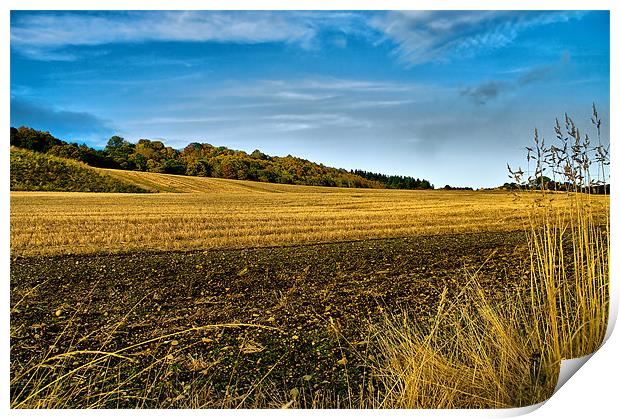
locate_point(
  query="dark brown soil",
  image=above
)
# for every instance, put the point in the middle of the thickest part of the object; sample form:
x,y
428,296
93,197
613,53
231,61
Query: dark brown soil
x,y
315,302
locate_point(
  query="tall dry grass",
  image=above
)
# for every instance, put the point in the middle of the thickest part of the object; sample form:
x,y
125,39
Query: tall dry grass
x,y
480,353
570,248
475,354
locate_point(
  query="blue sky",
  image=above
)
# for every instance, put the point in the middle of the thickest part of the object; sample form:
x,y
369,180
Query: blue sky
x,y
450,96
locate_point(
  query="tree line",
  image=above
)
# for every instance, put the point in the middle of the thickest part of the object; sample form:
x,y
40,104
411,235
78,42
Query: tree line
x,y
202,159
395,181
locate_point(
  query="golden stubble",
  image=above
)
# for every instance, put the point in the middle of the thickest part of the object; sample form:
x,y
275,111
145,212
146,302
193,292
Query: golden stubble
x,y
218,213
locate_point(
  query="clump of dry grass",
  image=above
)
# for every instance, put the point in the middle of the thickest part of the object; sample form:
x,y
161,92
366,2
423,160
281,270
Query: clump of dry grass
x,y
474,354
569,247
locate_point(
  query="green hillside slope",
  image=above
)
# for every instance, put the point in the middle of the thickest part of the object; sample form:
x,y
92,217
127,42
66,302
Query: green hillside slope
x,y
31,171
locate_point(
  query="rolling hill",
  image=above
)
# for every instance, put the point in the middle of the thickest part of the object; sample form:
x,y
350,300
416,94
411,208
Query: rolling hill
x,y
31,171
162,182
206,160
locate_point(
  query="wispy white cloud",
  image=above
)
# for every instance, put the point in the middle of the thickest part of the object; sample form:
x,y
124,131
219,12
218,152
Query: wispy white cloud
x,y
335,84
423,36
296,122
321,89
44,54
45,35
419,36
194,76
379,103
274,90
288,126
54,30
178,120
296,95
326,103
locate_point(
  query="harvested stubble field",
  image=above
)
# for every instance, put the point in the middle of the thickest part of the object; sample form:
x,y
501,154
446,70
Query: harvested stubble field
x,y
217,213
242,294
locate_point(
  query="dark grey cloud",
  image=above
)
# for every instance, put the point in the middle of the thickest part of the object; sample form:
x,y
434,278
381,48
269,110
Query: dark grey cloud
x,y
62,123
484,92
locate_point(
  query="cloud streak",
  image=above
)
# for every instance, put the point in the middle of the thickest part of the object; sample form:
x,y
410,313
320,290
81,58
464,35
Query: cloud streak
x,y
294,122
536,74
425,36
323,89
45,35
